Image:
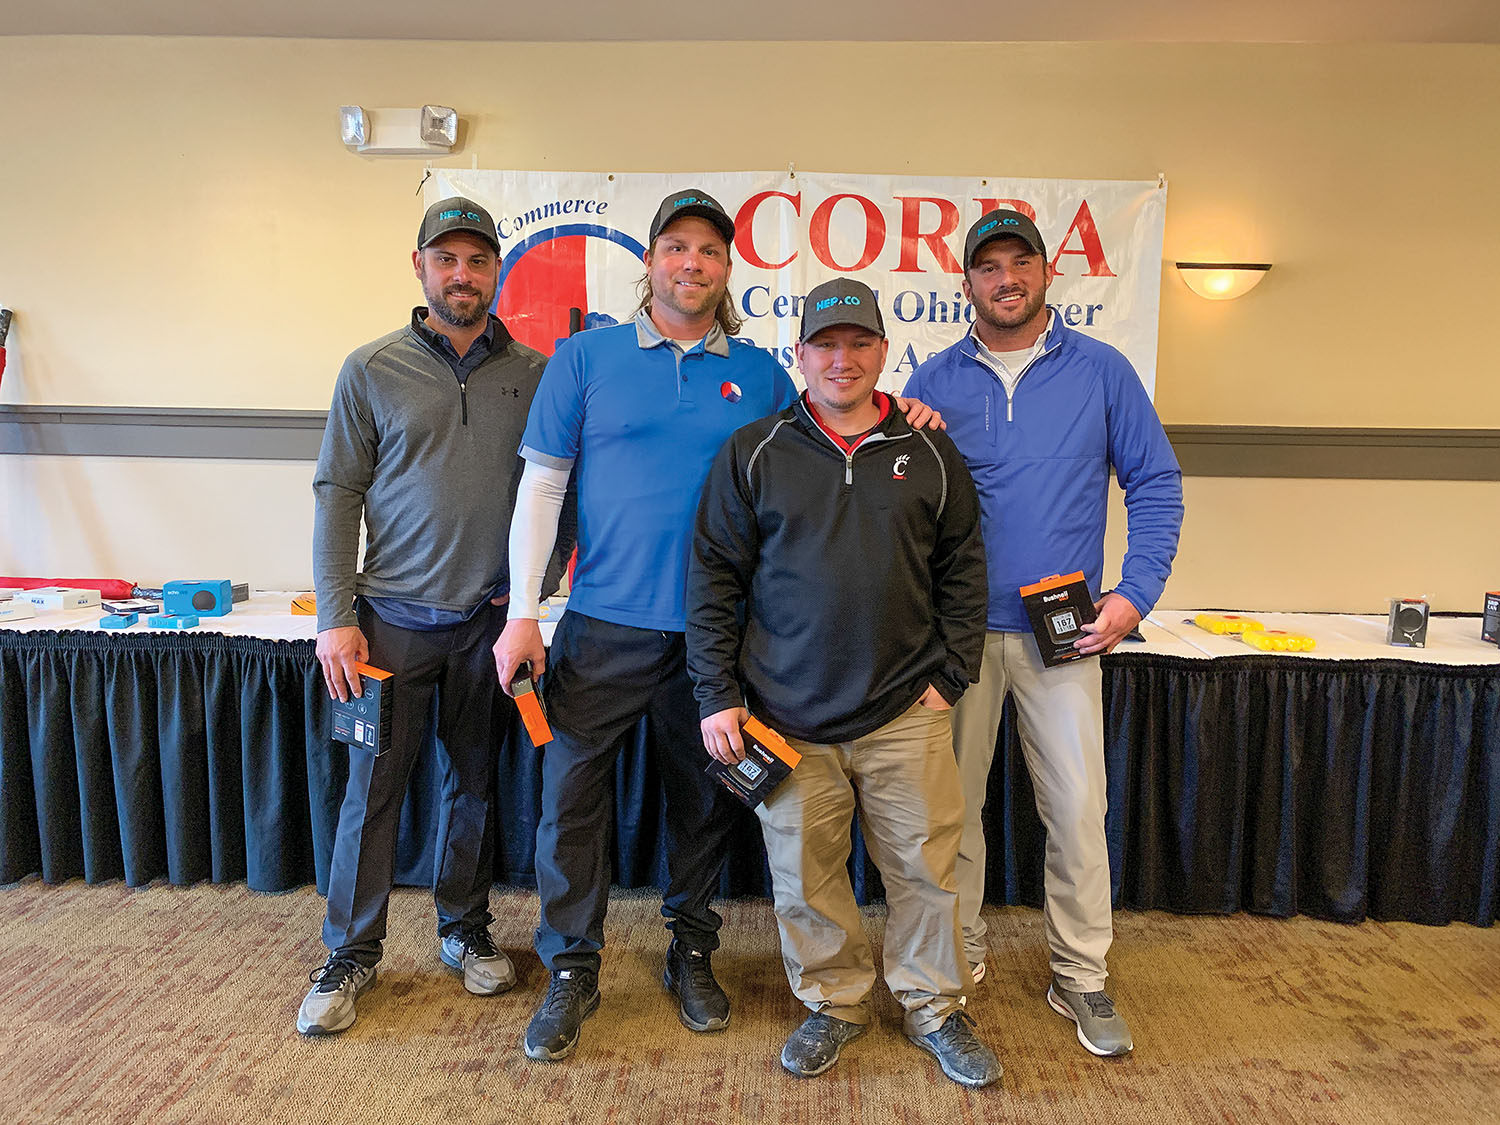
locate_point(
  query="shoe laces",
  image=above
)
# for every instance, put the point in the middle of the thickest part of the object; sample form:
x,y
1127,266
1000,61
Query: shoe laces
x,y
563,993
478,942
1101,1007
335,973
700,972
958,1033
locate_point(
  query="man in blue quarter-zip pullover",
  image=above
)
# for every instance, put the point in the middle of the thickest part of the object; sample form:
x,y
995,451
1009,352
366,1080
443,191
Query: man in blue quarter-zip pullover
x,y
1041,415
636,412
420,441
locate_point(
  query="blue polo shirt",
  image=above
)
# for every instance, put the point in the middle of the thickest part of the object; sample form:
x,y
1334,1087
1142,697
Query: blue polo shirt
x,y
640,422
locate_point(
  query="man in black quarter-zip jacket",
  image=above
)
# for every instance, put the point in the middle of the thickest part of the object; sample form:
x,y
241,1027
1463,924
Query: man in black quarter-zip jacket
x,y
852,544
420,441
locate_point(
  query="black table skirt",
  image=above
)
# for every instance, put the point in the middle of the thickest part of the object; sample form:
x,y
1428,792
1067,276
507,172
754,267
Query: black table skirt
x,y
1341,790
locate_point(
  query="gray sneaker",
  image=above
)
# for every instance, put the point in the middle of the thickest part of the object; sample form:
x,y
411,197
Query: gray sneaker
x,y
328,1007
486,968
1101,1029
960,1052
814,1046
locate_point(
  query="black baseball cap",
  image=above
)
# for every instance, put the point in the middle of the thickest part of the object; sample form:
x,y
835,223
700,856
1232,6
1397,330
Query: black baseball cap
x,y
456,213
1002,223
691,201
840,301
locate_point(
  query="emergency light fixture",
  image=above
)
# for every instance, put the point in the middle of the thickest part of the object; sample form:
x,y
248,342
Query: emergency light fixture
x,y
399,132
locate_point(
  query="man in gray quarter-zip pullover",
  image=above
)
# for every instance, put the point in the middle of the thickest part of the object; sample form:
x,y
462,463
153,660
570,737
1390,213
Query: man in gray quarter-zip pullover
x,y
852,543
420,442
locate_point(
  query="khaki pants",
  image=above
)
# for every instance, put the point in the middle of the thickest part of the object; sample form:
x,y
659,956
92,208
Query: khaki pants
x,y
1060,713
904,781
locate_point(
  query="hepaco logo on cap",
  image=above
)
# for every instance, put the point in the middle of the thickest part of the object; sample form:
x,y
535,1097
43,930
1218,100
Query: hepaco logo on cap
x,y
731,391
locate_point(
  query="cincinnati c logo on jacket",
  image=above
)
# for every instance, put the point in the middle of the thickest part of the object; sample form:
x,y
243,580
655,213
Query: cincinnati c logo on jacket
x,y
898,470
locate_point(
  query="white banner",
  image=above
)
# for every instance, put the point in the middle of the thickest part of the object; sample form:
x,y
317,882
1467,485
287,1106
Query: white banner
x,y
573,240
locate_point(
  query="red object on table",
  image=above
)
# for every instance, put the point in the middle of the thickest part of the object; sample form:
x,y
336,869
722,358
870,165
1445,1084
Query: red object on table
x,y
107,587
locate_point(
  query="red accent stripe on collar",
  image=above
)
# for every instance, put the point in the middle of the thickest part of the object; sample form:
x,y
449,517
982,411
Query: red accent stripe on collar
x,y
881,398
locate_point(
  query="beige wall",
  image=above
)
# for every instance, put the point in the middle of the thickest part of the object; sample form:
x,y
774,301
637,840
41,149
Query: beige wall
x,y
180,226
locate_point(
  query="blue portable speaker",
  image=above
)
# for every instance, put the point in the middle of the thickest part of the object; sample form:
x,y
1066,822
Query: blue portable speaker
x,y
202,597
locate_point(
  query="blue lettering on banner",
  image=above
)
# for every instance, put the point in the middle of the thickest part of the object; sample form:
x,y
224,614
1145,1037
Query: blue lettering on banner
x,y
909,361
908,311
782,356
511,226
1074,316
754,291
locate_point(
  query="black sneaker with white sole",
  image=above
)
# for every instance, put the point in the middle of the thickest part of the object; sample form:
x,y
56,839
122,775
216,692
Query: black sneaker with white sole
x,y
689,976
572,997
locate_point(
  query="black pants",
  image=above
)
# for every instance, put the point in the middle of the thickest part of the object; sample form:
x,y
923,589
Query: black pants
x,y
457,664
601,678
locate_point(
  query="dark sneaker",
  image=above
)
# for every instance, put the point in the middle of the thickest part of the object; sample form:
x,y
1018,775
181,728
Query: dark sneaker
x,y
486,968
1101,1029
328,1007
814,1047
690,977
572,997
960,1052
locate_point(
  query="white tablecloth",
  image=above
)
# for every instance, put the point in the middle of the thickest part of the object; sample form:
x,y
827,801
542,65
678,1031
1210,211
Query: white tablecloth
x,y
267,615
1340,636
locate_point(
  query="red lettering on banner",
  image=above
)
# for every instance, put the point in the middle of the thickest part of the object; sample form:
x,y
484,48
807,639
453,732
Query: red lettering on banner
x,y
744,223
817,232
988,205
1092,249
911,213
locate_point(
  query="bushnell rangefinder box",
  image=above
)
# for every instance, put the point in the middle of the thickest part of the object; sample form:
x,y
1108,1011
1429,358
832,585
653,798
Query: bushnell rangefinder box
x,y
529,704
1059,607
365,720
768,761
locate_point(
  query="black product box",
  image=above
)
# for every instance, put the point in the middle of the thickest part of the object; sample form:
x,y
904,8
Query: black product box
x,y
768,762
1059,607
365,721
1490,631
1407,627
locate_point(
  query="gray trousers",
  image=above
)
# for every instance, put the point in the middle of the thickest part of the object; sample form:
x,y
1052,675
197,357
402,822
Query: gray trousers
x,y
1060,714
903,780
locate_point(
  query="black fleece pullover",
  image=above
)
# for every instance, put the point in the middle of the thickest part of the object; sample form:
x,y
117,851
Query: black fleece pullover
x,y
860,576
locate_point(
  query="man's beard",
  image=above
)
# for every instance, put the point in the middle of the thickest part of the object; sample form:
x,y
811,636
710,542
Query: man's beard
x,y
438,305
1030,307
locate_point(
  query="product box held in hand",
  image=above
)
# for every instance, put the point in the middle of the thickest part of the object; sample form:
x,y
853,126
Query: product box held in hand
x,y
364,721
1058,608
769,759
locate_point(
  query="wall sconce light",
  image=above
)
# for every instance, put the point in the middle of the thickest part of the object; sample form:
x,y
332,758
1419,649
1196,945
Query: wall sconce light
x,y
399,132
1222,281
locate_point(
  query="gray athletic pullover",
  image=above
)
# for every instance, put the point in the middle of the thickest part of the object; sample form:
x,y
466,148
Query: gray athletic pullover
x,y
432,465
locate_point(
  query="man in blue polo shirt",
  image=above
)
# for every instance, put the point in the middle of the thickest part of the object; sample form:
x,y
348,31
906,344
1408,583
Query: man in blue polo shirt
x,y
636,412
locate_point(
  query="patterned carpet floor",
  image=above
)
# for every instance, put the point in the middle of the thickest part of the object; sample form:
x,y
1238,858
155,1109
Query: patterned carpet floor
x,y
172,1004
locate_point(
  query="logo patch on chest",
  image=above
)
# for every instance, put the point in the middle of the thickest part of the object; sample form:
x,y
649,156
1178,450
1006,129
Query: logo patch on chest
x,y
898,470
731,391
